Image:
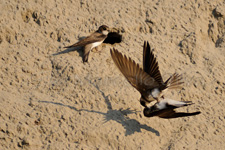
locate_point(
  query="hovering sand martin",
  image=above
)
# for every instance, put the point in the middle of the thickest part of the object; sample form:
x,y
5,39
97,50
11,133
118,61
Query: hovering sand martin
x,y
92,41
165,109
148,81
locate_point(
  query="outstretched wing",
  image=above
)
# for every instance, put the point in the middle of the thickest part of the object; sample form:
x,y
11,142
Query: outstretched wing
x,y
150,65
170,114
132,72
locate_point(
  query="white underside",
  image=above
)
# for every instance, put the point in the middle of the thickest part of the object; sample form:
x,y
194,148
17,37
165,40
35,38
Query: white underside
x,y
155,92
163,102
96,44
151,95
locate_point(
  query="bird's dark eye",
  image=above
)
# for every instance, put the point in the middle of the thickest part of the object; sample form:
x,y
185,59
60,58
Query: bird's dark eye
x,y
104,28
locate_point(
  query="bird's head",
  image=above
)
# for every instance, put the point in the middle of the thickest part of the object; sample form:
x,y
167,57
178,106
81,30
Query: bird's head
x,y
103,29
148,112
143,101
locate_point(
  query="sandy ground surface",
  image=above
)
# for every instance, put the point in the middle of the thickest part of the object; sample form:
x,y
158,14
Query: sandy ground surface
x,y
51,100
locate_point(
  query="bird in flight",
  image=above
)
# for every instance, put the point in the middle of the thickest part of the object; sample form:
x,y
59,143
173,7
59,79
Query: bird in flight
x,y
165,109
147,80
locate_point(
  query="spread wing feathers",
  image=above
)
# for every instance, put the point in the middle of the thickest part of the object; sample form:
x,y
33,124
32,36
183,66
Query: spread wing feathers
x,y
150,63
174,81
95,37
132,72
173,114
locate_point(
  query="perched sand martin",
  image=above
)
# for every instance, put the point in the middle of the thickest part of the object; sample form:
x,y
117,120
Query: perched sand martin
x,y
92,41
165,109
147,81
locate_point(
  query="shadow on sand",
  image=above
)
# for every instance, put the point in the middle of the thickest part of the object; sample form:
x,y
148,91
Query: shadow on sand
x,y
130,125
78,49
67,50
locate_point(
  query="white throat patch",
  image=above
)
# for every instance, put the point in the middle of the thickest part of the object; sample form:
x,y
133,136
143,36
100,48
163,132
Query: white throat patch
x,y
155,92
105,32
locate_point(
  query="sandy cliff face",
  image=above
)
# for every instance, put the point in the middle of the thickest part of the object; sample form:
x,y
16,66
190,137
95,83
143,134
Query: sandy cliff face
x,y
51,100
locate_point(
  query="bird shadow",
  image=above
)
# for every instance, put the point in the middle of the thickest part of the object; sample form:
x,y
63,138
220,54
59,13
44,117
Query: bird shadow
x,y
79,49
119,115
130,125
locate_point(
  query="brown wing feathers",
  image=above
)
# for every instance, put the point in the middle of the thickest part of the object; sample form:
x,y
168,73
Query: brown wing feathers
x,y
133,72
150,64
175,81
148,78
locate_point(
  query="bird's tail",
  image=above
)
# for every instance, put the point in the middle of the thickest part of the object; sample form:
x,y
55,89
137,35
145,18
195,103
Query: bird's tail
x,y
187,103
174,81
85,57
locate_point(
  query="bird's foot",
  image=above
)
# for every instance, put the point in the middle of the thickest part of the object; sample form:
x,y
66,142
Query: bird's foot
x,y
97,49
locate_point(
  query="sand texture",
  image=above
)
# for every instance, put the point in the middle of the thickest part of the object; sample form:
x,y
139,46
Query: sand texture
x,y
51,100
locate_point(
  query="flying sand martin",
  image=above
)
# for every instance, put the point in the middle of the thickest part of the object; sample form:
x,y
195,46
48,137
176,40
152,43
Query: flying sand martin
x,y
148,81
165,109
92,41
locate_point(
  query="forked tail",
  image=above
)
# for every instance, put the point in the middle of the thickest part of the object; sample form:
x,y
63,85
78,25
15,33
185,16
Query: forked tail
x,y
174,81
180,114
